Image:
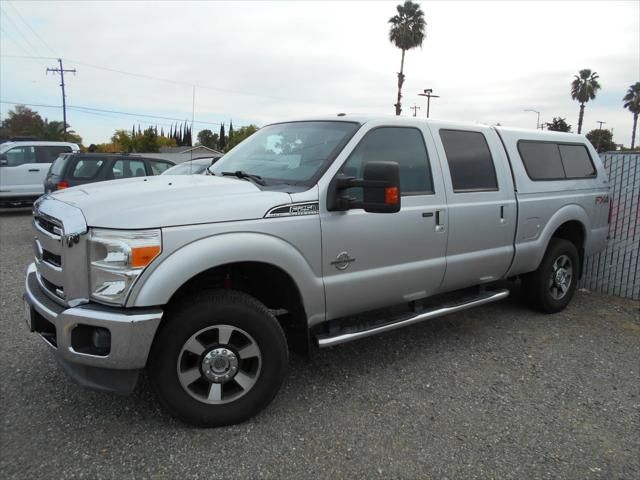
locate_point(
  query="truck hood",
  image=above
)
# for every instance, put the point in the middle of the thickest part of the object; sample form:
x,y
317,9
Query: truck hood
x,y
169,200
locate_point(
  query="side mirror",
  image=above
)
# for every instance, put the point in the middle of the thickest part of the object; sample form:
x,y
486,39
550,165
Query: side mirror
x,y
3,160
380,189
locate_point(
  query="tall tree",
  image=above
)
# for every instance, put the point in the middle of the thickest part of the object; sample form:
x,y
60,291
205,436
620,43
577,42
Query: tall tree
x,y
584,88
207,138
632,103
133,132
231,143
21,121
558,125
407,31
222,141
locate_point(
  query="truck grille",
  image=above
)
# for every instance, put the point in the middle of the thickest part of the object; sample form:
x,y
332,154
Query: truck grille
x,y
61,264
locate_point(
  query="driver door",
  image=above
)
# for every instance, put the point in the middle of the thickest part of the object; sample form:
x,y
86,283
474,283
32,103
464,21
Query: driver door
x,y
373,260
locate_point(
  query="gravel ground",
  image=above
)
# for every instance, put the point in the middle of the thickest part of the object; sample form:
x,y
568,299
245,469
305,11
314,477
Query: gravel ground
x,y
495,392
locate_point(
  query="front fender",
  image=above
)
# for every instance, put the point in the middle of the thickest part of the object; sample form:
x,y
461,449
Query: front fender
x,y
158,286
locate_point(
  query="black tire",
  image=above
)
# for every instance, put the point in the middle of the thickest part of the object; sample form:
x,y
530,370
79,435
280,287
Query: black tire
x,y
250,321
541,289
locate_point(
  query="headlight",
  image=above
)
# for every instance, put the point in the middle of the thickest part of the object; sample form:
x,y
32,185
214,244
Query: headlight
x,y
117,258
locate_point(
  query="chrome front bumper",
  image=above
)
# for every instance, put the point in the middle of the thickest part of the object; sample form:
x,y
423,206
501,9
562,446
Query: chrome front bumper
x,y
131,334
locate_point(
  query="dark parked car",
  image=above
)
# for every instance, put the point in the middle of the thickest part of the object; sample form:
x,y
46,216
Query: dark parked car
x,y
192,167
74,169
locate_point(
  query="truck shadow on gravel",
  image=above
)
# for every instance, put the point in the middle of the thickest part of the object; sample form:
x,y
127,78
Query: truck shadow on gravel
x,y
335,373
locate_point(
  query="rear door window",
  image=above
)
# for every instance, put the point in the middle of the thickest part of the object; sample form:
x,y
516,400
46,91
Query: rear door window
x,y
470,161
158,167
87,168
128,168
48,153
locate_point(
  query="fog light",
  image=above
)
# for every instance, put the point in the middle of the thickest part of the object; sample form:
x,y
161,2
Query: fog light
x,y
101,338
91,340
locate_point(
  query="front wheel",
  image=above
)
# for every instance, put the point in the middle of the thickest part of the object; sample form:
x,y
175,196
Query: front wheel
x,y
219,359
551,287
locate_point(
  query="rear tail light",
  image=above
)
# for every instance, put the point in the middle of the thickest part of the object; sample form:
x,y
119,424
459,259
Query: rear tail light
x,y
62,185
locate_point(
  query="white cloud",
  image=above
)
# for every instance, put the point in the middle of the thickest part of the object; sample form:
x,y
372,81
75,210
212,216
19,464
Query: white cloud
x,y
267,61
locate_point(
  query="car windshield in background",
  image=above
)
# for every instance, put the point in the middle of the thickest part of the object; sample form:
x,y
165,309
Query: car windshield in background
x,y
287,152
188,168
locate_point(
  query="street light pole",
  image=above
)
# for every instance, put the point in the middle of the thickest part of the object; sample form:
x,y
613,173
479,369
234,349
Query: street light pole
x,y
428,92
538,120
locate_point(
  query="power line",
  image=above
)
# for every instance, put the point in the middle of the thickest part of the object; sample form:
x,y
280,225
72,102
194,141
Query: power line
x,y
101,110
15,9
17,30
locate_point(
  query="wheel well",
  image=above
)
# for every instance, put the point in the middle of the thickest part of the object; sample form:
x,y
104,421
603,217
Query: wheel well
x,y
574,232
267,283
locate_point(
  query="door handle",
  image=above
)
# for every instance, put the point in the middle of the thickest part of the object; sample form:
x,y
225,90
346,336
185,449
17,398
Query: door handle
x,y
34,169
439,226
427,214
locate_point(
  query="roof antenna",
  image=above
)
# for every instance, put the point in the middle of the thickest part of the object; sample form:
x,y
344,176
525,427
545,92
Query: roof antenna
x,y
342,114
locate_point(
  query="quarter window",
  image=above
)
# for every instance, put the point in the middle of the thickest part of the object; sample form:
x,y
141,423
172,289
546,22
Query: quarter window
x,y
553,161
576,161
394,144
542,160
470,161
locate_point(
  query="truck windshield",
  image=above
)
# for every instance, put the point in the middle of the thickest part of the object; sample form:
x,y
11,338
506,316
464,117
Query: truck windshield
x,y
290,153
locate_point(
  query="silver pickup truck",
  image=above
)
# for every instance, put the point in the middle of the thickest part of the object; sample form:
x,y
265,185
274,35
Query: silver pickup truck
x,y
308,234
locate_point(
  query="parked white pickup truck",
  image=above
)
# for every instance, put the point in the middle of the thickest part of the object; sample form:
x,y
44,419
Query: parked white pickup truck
x,y
308,234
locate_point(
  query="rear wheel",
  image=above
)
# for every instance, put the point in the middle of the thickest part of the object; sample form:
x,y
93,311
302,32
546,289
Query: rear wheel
x,y
219,359
551,287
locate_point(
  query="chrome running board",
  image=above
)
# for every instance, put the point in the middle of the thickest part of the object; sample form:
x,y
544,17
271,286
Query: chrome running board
x,y
325,340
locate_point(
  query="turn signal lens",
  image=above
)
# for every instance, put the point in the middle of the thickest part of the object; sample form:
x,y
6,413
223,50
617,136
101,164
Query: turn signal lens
x,y
143,256
62,185
391,196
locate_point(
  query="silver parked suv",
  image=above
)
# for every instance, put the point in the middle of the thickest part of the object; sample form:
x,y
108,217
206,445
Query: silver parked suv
x,y
23,167
308,234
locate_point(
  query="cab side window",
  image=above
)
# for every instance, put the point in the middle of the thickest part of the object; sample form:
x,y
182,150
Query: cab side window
x,y
470,161
20,155
403,145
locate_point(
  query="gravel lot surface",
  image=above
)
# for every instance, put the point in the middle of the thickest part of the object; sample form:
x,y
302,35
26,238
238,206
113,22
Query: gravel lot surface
x,y
495,392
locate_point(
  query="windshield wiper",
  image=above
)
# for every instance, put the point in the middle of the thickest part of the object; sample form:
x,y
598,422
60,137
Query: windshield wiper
x,y
242,174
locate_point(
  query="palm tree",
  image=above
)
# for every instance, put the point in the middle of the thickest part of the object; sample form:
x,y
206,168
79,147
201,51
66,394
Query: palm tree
x,y
406,32
632,102
584,88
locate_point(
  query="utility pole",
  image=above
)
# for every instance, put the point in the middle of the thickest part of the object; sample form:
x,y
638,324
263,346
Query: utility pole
x,y
538,120
61,71
598,121
428,92
415,108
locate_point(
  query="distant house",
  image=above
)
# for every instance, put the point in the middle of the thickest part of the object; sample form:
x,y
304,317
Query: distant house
x,y
182,154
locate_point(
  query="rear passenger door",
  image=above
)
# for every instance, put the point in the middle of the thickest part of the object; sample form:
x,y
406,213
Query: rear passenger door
x,y
481,205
